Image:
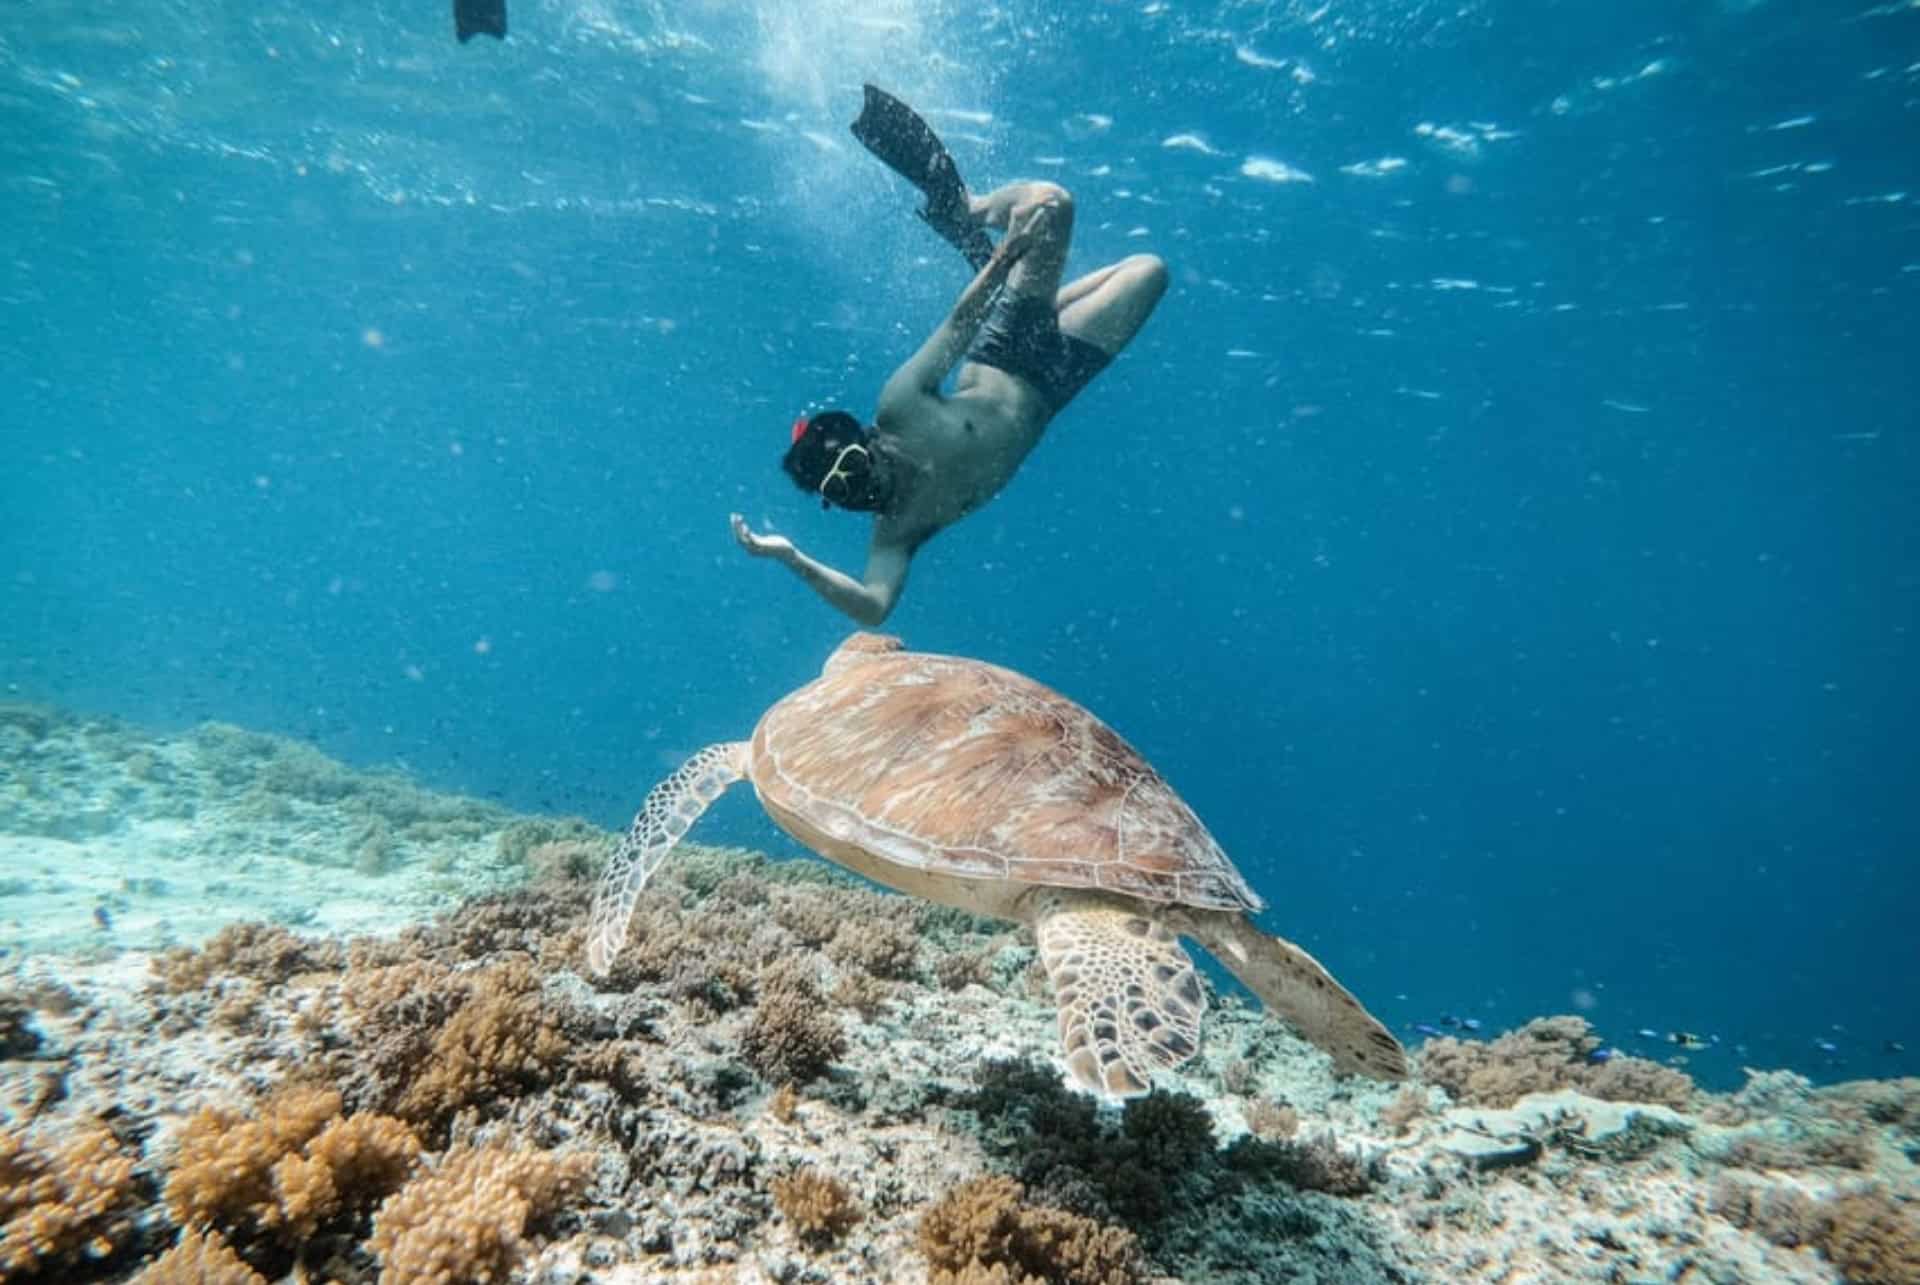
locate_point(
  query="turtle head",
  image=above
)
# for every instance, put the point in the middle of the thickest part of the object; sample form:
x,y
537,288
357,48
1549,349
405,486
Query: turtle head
x,y
834,456
860,647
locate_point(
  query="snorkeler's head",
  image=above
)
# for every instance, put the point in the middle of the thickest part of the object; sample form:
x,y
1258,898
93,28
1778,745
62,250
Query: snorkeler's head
x,y
833,456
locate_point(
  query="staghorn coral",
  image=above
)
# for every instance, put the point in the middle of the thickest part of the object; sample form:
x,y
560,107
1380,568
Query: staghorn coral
x,y
288,1170
199,1258
981,1231
467,1222
818,1206
64,1205
1546,1054
792,1035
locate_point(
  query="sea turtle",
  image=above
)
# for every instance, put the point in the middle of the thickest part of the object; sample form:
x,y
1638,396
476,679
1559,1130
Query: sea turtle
x,y
975,787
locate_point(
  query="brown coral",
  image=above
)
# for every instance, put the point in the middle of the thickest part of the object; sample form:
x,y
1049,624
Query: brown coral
x,y
981,1231
1873,1239
261,952
64,1205
1546,1054
288,1170
792,1036
199,1258
500,1043
883,947
467,1222
818,1206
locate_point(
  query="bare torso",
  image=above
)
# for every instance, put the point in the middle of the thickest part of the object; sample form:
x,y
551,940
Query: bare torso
x,y
956,451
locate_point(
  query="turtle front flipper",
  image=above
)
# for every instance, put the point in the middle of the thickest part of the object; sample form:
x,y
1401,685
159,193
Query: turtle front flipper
x,y
1293,984
669,812
1130,999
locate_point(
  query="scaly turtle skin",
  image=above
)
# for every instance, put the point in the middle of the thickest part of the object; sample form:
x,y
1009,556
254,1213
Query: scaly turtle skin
x,y
975,787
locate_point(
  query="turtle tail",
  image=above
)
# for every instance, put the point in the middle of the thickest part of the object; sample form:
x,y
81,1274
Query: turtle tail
x,y
669,812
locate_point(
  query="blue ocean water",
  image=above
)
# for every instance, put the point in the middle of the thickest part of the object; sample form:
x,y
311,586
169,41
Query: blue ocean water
x,y
1504,533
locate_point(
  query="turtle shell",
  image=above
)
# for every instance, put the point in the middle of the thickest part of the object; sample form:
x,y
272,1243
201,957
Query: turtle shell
x,y
960,768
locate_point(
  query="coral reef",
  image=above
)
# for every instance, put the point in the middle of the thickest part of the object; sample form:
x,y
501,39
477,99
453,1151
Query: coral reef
x,y
467,1220
790,1077
982,1232
284,1171
199,1258
66,1203
1547,1053
818,1206
793,1035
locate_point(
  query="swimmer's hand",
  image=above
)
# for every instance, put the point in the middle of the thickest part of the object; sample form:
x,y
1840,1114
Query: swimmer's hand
x,y
1022,232
777,547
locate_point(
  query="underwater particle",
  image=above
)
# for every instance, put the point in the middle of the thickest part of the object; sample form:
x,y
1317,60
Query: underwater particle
x,y
373,338
1268,170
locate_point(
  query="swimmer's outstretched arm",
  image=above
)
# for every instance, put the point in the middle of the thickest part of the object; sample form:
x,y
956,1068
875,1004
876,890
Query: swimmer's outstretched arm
x,y
869,603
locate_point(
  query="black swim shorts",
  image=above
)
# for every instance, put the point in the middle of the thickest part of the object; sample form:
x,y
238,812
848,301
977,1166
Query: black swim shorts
x,y
1022,336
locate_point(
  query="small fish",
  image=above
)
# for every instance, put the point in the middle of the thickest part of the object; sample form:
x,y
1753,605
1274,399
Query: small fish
x,y
102,920
1688,1040
1460,1023
1602,1055
1893,1046
1647,1033
1825,1045
1427,1028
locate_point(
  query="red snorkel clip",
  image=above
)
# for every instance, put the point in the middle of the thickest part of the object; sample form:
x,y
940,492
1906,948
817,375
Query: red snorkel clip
x,y
799,427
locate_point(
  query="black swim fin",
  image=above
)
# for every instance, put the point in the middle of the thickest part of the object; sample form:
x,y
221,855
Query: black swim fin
x,y
894,132
479,18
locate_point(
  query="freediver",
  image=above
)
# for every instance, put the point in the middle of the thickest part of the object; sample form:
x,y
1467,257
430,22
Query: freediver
x,y
1024,346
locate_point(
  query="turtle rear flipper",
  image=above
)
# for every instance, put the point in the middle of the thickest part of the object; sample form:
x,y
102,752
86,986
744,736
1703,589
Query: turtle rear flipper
x,y
1130,999
1292,983
669,812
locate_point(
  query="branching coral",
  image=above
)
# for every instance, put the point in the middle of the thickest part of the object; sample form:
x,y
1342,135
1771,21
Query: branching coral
x,y
261,952
818,1206
1873,1239
1546,1054
467,1222
63,1205
288,1170
1310,1164
883,947
500,1043
428,1042
199,1258
981,1231
793,1035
